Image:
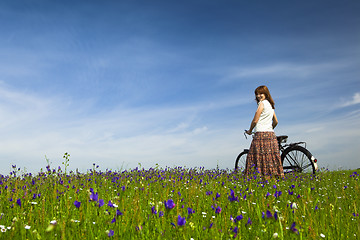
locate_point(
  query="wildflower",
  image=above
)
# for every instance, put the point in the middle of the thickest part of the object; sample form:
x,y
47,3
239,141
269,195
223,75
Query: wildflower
x,y
211,224
232,197
218,210
293,229
277,194
294,206
249,222
169,204
238,218
77,204
275,235
18,202
181,221
235,230
110,204
27,227
93,196
118,213
153,210
161,213
113,220
276,215
190,211
217,195
101,202
268,214
110,233
322,235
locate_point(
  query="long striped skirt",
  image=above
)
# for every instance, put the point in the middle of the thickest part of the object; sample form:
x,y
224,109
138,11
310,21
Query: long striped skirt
x,y
264,155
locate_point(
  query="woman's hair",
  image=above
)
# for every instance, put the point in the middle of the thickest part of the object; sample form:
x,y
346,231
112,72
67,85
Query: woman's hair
x,y
264,90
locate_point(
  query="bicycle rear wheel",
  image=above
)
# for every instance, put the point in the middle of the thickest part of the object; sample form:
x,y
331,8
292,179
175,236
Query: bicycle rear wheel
x,y
240,161
297,159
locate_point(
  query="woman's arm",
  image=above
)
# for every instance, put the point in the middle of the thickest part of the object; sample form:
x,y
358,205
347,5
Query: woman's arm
x,y
275,121
256,118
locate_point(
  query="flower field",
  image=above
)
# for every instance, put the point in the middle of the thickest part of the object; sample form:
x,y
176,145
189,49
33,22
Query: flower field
x,y
178,203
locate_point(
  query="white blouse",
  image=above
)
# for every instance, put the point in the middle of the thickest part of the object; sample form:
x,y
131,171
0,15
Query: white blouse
x,y
265,121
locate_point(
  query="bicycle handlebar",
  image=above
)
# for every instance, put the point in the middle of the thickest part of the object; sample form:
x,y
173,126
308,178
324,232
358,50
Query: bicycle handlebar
x,y
245,134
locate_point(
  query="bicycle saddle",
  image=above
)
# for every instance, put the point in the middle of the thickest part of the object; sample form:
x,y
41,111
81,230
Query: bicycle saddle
x,y
282,138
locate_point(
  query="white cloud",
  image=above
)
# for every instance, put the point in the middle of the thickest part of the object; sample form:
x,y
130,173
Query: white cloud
x,y
34,126
355,100
283,69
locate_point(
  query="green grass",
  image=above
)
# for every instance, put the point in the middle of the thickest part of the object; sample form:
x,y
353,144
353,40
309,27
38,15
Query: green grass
x,y
41,206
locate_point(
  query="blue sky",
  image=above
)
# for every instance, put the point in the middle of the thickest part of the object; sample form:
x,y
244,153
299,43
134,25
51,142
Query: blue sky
x,y
118,83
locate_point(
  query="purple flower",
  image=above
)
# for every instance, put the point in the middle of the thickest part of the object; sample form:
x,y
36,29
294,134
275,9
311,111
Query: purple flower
x,y
153,210
114,220
249,222
235,230
18,202
276,216
293,229
169,204
110,204
218,210
238,218
217,195
181,221
190,211
211,224
118,213
316,208
77,204
93,196
232,197
111,233
101,202
290,192
161,213
268,214
277,194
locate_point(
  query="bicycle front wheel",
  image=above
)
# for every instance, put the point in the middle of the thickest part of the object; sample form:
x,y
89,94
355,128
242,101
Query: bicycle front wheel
x,y
240,161
297,159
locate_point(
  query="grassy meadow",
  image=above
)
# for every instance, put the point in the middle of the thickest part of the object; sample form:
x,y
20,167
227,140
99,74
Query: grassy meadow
x,y
178,203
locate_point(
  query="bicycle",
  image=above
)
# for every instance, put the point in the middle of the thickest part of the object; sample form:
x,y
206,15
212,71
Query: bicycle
x,y
294,157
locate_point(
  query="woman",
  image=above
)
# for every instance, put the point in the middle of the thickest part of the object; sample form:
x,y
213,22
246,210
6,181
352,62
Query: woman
x,y
264,154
